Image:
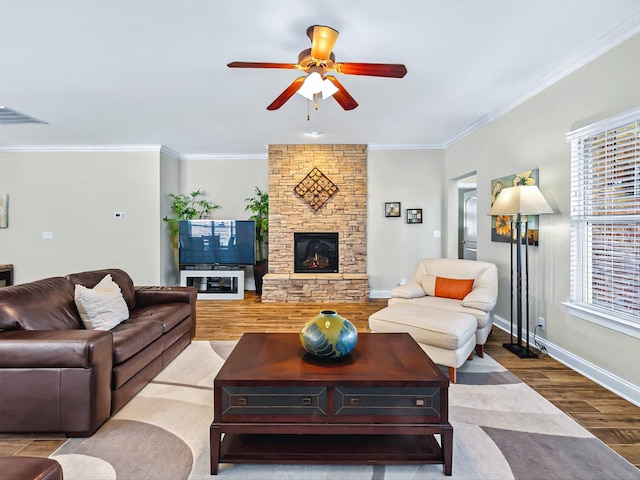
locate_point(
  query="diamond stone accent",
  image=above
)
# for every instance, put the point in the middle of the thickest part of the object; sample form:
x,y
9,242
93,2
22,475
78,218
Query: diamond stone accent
x,y
315,189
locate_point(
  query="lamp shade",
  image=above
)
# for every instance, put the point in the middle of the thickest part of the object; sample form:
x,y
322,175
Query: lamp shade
x,y
522,199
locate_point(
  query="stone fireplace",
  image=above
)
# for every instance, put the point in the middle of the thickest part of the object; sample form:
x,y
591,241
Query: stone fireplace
x,y
344,213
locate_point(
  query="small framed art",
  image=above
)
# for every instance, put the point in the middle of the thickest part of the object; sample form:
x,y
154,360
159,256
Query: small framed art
x,y
392,209
414,215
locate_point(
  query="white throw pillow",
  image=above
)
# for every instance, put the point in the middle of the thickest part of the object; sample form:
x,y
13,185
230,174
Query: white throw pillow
x,y
101,307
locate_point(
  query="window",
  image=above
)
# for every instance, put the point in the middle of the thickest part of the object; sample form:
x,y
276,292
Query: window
x,y
605,221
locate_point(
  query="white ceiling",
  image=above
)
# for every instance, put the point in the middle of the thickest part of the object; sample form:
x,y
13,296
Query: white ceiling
x,y
151,72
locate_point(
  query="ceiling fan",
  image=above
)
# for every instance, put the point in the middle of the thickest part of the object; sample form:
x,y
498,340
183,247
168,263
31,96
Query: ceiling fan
x,y
316,62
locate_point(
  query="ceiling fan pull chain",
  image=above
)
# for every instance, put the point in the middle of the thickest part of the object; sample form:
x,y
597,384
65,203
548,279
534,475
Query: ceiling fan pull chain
x,y
308,110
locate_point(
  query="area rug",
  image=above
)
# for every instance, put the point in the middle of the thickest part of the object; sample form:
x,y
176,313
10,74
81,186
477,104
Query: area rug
x,y
502,430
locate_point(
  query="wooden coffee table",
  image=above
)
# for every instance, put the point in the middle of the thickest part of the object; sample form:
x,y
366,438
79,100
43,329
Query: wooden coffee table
x,y
381,404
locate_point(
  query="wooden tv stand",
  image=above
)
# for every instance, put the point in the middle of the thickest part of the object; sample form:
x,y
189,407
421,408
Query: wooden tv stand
x,y
382,404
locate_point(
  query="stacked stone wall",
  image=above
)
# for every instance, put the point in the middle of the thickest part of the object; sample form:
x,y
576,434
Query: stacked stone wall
x,y
345,212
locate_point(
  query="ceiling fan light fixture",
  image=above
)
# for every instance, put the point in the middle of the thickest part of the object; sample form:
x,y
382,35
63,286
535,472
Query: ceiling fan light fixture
x,y
312,85
328,89
315,84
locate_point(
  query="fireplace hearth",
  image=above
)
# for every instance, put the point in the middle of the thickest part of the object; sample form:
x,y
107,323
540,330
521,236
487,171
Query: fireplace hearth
x,y
315,252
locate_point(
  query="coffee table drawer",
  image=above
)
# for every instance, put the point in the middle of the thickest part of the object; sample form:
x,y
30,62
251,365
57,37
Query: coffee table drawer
x,y
274,401
387,401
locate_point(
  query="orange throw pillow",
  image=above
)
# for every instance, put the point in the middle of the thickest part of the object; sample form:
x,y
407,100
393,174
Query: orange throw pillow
x,y
453,288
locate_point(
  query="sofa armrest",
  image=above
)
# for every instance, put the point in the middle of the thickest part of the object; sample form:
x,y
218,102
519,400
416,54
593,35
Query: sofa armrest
x,y
408,290
147,296
482,298
55,381
55,348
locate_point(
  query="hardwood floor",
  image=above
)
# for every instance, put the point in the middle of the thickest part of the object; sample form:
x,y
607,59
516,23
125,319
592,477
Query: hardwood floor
x,y
612,419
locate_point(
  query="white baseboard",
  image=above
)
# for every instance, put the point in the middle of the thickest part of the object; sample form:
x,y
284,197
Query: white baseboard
x,y
606,379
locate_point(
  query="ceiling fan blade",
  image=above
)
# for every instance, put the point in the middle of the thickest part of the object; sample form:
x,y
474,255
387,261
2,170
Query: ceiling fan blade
x,y
394,70
345,100
262,65
289,92
322,41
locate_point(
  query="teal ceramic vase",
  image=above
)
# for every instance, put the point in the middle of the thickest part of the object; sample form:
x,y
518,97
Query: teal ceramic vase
x,y
328,335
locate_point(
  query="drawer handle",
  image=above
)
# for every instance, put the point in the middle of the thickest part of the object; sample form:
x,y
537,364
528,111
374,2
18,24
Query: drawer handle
x,y
420,402
306,400
242,401
354,402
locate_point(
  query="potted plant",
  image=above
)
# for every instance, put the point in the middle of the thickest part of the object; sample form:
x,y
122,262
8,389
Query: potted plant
x,y
258,205
186,207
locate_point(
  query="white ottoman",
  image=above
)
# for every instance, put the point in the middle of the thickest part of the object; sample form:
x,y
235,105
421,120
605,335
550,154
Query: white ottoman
x,y
449,338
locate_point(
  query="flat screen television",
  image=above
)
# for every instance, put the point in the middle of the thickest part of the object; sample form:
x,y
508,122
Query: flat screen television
x,y
209,243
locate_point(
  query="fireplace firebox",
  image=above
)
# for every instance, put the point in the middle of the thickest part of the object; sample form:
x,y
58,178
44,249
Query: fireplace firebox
x,y
315,252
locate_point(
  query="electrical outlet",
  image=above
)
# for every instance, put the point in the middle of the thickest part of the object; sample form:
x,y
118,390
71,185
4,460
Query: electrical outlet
x,y
542,323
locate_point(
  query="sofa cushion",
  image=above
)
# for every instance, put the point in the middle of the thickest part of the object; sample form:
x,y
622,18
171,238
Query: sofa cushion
x,y
101,307
124,371
168,314
41,305
131,338
91,278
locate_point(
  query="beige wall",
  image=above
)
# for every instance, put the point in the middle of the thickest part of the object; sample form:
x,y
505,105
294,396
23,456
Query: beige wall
x,y
74,195
415,178
226,181
533,136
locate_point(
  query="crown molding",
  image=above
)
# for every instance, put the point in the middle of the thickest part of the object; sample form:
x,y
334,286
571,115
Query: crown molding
x,y
169,152
89,148
608,41
405,146
84,148
229,156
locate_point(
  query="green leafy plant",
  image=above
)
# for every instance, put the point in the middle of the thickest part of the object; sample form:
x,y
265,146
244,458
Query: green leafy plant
x,y
187,207
258,205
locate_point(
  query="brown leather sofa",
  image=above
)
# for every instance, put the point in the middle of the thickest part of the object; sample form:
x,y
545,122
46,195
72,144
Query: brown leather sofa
x,y
57,376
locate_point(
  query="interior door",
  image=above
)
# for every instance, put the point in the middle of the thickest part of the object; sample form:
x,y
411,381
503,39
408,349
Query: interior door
x,y
468,228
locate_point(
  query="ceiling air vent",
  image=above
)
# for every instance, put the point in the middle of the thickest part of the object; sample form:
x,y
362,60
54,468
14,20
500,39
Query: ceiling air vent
x,y
9,117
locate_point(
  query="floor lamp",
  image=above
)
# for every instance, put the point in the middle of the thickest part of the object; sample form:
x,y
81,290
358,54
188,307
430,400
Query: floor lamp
x,y
517,202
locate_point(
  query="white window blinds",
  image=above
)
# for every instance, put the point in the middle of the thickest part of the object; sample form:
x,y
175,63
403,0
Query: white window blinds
x,y
605,217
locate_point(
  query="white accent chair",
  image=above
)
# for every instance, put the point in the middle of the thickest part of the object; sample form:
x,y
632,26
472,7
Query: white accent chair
x,y
429,318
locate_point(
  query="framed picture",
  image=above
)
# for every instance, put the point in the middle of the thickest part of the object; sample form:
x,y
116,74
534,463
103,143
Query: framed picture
x,y
414,215
391,209
501,224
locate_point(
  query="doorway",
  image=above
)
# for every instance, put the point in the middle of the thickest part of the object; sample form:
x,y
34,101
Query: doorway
x,y
463,193
468,223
